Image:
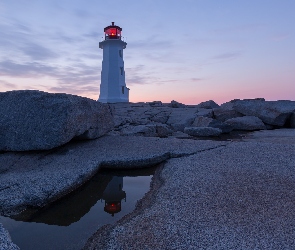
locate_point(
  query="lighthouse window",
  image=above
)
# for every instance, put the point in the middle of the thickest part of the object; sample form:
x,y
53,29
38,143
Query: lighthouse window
x,y
121,69
120,53
122,89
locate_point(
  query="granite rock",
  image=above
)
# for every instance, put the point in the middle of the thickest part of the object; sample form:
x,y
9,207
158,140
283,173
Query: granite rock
x,y
201,121
205,112
5,240
156,104
248,123
202,131
181,118
35,179
271,112
208,105
236,197
36,120
225,112
175,104
143,130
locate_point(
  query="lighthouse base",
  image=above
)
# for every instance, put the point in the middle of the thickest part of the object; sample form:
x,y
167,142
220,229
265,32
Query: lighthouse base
x,y
113,93
112,100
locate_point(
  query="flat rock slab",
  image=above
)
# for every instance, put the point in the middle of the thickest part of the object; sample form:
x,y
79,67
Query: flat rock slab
x,y
281,136
241,196
38,178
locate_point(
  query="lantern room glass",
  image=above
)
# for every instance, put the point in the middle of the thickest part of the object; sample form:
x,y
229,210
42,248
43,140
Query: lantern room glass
x,y
113,33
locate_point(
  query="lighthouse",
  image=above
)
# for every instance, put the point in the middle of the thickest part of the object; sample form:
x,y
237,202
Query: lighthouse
x,y
113,87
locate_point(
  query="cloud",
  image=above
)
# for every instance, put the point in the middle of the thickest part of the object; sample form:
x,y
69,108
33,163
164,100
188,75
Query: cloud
x,y
150,43
31,69
8,84
158,52
77,90
78,76
226,56
240,28
37,51
196,79
17,39
61,37
95,56
220,58
95,35
139,75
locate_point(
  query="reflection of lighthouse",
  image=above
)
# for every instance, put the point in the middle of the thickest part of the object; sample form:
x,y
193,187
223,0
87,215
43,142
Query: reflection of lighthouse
x,y
113,194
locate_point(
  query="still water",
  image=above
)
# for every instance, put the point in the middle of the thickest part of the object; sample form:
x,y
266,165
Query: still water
x,y
69,222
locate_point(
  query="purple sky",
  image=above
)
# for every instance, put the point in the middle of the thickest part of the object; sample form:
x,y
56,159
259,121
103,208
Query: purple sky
x,y
189,50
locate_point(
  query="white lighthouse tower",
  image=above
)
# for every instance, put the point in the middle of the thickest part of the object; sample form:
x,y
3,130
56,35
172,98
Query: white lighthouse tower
x,y
113,87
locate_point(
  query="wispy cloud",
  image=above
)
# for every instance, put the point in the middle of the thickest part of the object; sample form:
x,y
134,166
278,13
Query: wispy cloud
x,y
226,56
151,43
240,28
94,34
140,74
18,39
30,69
196,79
38,52
78,78
7,85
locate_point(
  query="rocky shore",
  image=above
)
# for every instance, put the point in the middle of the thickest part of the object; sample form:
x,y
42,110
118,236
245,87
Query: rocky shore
x,y
213,193
240,196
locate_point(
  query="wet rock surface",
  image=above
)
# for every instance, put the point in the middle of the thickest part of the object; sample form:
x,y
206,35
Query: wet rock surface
x,y
35,179
5,240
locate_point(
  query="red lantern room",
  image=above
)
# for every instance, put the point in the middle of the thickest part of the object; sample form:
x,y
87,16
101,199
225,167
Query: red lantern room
x,y
112,207
112,32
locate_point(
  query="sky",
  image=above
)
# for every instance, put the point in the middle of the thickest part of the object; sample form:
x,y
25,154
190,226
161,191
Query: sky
x,y
185,50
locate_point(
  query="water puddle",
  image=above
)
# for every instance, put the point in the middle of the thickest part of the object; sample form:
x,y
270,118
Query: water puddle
x,y
69,222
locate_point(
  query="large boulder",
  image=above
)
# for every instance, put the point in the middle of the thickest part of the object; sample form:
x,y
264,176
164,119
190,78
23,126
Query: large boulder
x,y
181,117
275,113
163,130
202,131
201,121
5,240
205,112
249,123
175,104
161,117
36,120
225,112
208,105
155,104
